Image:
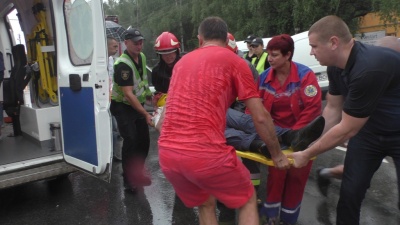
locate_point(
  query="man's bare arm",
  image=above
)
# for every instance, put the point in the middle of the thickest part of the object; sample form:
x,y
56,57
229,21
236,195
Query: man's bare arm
x,y
332,112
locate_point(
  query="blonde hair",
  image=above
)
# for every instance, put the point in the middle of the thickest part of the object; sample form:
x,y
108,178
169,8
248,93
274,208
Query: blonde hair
x,y
330,26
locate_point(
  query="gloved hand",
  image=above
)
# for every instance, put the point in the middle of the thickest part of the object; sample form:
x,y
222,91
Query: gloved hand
x,y
28,69
156,96
35,67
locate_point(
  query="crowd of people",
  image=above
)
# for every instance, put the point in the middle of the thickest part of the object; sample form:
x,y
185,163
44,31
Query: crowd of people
x,y
262,102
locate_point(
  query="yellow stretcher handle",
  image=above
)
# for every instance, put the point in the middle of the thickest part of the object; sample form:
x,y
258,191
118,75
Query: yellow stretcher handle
x,y
262,159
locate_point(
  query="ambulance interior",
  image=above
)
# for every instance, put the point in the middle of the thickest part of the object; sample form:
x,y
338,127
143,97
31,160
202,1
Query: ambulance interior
x,y
31,83
29,93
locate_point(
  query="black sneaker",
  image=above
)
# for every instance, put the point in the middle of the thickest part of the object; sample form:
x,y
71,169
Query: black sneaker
x,y
258,146
264,219
303,137
133,190
144,180
117,158
323,183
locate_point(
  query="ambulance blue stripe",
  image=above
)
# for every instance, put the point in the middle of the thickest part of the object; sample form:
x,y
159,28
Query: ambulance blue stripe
x,y
78,121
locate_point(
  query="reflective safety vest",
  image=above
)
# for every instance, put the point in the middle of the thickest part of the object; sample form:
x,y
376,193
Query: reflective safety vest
x,y
261,63
140,86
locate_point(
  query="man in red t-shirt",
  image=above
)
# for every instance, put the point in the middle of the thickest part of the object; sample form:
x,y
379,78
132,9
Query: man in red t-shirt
x,y
193,152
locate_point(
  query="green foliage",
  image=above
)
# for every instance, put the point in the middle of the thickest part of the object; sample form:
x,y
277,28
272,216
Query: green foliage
x,y
389,10
263,18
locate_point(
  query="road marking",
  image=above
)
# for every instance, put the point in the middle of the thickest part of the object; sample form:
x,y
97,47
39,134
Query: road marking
x,y
345,149
341,148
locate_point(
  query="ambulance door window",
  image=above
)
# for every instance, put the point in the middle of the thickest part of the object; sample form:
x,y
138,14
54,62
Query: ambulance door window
x,y
79,27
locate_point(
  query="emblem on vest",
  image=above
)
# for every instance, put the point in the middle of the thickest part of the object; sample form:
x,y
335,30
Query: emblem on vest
x,y
125,74
310,91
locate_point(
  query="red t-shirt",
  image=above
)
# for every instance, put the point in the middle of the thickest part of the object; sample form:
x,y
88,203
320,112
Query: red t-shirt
x,y
204,84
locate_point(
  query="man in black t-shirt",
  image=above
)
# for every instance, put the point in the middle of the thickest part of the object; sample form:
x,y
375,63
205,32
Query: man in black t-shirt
x,y
324,175
363,105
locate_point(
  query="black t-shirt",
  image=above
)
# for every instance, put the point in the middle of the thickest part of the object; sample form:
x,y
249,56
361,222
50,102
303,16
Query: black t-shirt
x,y
139,65
370,84
123,74
249,58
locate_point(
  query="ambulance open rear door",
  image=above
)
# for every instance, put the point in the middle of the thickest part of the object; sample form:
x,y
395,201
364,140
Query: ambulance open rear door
x,y
83,85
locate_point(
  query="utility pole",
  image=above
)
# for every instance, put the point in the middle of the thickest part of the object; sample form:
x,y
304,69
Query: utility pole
x,y
137,14
180,23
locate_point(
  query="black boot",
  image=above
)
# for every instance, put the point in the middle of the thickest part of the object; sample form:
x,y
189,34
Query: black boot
x,y
302,138
258,146
226,215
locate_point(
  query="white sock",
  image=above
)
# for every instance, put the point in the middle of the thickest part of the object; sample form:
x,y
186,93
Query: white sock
x,y
325,172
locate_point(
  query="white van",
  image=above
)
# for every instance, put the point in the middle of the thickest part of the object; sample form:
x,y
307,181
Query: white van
x,y
301,55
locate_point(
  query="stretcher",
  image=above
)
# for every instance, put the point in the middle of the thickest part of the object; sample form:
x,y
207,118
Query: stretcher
x,y
258,157
40,50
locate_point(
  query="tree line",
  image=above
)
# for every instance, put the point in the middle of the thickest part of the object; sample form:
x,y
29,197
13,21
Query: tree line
x,y
263,18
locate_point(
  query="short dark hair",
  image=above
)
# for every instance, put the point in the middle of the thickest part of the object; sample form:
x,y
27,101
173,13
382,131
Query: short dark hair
x,y
213,28
109,39
330,26
282,42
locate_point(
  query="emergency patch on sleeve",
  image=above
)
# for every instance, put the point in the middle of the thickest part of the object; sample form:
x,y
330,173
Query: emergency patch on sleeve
x,y
125,74
310,91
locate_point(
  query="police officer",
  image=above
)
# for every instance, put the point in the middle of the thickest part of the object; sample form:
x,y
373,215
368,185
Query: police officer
x,y
260,61
129,93
249,55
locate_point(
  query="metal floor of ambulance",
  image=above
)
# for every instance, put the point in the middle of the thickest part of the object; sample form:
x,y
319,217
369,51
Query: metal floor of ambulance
x,y
21,148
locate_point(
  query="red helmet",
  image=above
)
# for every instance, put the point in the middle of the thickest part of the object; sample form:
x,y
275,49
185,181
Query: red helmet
x,y
166,43
232,43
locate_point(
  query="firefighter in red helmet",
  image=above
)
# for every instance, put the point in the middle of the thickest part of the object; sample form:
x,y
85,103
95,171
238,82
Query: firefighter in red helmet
x,y
167,47
232,43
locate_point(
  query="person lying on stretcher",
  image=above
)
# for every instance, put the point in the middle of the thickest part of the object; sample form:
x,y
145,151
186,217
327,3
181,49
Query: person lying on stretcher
x,y
241,134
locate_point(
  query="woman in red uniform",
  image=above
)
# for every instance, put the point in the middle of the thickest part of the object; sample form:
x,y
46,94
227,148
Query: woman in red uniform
x,y
290,92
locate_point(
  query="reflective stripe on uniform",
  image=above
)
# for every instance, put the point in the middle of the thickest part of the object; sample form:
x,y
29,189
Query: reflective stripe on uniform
x,y
140,86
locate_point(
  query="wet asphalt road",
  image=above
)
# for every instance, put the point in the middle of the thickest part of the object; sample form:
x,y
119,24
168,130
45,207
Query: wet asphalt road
x,y
82,199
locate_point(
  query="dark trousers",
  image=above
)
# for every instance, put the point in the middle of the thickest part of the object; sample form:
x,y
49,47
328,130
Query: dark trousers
x,y
364,156
135,132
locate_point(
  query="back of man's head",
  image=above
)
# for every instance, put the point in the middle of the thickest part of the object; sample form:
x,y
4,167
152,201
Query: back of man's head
x,y
213,28
389,42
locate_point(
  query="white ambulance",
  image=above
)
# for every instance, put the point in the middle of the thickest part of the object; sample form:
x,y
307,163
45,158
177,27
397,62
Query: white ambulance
x,y
60,59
